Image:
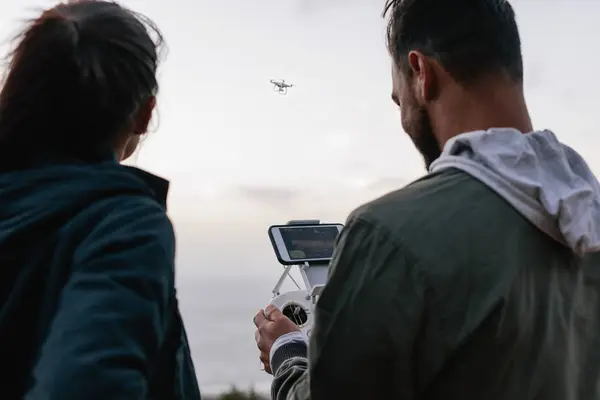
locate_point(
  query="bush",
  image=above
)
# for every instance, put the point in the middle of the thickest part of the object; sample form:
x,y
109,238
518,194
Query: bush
x,y
235,394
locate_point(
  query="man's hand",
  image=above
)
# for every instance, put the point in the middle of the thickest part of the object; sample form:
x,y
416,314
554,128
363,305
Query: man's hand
x,y
271,324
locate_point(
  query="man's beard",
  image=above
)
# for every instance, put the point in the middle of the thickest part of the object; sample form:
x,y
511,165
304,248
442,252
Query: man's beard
x,y
424,138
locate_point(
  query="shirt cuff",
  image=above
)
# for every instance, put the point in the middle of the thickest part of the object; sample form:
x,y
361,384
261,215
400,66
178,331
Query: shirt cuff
x,y
293,344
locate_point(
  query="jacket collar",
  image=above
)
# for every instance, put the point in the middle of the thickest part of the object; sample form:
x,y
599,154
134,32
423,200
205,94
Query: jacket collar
x,y
106,157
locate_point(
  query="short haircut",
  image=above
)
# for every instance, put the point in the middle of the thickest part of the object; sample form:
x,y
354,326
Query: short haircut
x,y
469,38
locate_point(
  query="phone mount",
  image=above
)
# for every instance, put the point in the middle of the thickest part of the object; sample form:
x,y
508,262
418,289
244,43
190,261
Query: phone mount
x,y
298,305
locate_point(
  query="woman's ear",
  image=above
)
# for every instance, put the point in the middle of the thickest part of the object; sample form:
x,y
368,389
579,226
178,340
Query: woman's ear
x,y
130,147
144,116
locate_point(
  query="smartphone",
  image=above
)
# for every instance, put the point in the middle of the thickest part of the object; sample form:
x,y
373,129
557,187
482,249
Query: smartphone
x,y
299,244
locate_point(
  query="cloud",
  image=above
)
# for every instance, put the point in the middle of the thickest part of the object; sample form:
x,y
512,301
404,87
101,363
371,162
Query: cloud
x,y
387,184
317,6
285,198
269,195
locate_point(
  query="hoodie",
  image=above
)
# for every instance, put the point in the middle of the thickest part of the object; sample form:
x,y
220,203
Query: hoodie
x,y
87,280
544,180
478,281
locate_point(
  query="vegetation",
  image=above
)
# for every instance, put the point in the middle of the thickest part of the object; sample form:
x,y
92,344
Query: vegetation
x,y
236,394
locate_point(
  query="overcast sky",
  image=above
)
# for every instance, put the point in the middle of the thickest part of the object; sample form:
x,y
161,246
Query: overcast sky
x,y
241,157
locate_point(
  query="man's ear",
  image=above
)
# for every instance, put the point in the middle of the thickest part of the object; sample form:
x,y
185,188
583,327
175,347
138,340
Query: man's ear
x,y
144,116
424,76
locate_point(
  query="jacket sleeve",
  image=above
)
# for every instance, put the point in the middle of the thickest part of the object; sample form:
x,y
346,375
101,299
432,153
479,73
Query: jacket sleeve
x,y
111,317
366,321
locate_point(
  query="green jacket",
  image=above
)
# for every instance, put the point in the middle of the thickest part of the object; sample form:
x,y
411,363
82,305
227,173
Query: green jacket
x,y
441,290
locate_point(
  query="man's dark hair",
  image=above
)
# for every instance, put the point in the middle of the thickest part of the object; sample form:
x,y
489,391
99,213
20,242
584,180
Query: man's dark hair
x,y
77,77
469,38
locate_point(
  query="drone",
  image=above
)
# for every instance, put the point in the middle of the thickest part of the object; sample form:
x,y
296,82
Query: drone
x,y
280,86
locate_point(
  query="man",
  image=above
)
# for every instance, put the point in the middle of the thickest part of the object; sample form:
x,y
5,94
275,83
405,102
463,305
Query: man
x,y
478,281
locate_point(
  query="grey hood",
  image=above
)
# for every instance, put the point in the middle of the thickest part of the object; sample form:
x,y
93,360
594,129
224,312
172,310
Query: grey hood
x,y
546,181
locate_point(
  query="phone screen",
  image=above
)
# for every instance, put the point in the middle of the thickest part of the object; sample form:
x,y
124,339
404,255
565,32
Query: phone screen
x,y
309,242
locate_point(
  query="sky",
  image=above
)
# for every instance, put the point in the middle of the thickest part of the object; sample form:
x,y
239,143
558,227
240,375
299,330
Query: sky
x,y
240,157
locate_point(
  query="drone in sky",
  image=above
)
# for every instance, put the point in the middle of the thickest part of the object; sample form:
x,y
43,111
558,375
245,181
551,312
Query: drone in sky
x,y
280,86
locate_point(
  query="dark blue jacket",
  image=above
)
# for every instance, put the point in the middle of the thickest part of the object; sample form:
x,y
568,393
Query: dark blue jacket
x,y
89,309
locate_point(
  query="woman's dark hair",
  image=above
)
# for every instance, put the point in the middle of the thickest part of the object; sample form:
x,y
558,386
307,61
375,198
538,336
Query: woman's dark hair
x,y
77,76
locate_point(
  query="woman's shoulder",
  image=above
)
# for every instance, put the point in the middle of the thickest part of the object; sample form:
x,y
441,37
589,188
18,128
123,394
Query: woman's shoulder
x,y
119,200
132,180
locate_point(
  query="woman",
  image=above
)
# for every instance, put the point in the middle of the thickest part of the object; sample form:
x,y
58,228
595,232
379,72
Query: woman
x,y
89,309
